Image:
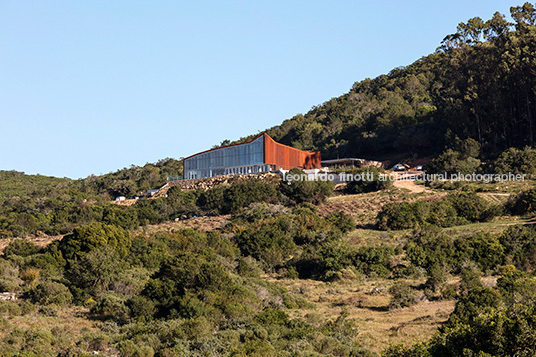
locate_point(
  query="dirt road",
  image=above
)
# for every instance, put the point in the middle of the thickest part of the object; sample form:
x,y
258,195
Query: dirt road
x,y
407,180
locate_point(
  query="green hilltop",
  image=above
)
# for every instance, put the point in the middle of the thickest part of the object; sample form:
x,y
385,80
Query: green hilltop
x,y
478,84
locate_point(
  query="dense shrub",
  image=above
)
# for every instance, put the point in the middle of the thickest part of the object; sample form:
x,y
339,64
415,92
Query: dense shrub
x,y
403,295
486,250
374,260
342,220
437,278
322,260
519,244
454,210
242,194
141,308
373,180
461,160
122,216
231,198
86,238
111,306
469,279
517,161
50,292
95,272
304,190
270,243
403,215
429,247
21,247
182,274
524,203
472,207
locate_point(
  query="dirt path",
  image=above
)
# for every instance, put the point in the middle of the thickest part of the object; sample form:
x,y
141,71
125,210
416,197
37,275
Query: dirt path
x,y
410,185
407,180
41,241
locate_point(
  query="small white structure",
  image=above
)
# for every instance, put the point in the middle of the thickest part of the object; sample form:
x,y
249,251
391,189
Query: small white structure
x,y
8,296
150,193
120,198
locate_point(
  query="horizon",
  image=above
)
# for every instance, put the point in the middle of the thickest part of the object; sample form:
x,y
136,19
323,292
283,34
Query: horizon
x,y
95,88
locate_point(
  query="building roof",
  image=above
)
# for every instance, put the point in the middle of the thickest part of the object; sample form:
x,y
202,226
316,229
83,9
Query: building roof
x,y
244,143
346,160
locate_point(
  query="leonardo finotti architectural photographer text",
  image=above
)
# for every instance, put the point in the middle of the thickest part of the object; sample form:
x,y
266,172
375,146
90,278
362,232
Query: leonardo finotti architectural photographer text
x,y
369,176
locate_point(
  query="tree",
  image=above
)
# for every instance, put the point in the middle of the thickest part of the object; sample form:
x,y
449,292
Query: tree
x,y
84,239
94,272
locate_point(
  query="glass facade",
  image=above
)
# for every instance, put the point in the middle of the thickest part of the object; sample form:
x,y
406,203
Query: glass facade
x,y
237,159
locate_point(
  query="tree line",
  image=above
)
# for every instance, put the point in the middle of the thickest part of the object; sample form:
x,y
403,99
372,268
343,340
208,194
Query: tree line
x,y
478,84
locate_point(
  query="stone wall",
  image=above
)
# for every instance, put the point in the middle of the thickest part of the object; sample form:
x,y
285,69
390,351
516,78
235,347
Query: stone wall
x,y
210,182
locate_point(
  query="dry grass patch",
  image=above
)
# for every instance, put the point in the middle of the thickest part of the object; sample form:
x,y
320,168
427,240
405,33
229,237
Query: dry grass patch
x,y
204,224
365,206
367,301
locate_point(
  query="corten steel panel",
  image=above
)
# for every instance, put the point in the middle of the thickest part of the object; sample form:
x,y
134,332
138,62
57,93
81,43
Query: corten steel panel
x,y
286,158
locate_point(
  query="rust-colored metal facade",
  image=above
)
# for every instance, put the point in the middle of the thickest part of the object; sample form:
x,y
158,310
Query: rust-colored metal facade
x,y
262,154
286,157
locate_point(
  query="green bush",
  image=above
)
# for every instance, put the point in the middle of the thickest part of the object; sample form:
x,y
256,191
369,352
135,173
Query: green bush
x,y
86,238
342,220
122,216
487,251
403,215
230,199
186,273
141,308
270,243
517,161
470,279
21,247
472,207
374,260
272,317
524,203
373,181
403,295
430,246
437,278
50,292
470,306
454,210
111,306
95,272
462,160
323,260
311,191
519,244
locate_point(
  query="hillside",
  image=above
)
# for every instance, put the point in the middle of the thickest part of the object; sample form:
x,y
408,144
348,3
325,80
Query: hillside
x,y
478,84
312,272
258,266
31,204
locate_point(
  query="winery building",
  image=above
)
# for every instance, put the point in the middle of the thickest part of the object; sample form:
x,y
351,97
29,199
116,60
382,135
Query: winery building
x,y
262,154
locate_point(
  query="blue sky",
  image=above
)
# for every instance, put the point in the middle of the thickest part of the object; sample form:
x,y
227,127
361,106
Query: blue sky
x,y
89,87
